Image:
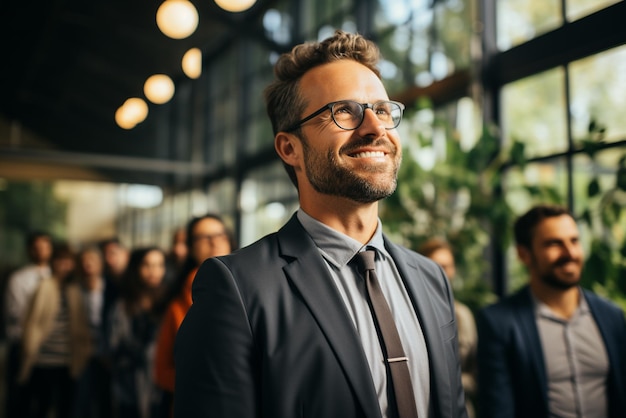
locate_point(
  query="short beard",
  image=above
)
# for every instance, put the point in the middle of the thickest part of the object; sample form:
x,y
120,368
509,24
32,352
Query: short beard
x,y
328,177
554,282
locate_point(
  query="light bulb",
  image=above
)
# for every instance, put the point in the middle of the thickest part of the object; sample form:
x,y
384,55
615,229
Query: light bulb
x,y
159,88
177,18
192,63
132,112
235,5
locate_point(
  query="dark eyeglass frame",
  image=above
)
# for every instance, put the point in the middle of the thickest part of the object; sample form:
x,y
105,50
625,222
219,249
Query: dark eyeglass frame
x,y
331,105
209,237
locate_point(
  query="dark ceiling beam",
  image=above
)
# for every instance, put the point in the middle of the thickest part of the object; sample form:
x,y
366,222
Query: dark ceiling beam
x,y
442,91
106,161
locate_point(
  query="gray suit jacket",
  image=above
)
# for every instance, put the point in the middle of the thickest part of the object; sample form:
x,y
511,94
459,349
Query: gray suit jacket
x,y
268,335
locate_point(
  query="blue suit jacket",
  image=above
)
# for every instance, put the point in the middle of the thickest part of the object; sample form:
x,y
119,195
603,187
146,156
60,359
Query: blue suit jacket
x,y
512,378
268,335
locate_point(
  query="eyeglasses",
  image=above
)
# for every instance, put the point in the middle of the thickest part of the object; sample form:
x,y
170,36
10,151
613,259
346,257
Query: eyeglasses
x,y
349,115
209,237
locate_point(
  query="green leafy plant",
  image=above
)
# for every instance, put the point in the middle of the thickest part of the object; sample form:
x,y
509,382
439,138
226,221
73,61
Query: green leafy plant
x,y
458,195
605,217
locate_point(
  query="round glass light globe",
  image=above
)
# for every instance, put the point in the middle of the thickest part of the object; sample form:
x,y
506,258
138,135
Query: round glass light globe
x,y
235,5
177,18
192,63
132,112
159,88
122,119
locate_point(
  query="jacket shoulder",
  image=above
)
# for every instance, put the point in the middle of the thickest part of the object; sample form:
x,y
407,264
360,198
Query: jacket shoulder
x,y
504,311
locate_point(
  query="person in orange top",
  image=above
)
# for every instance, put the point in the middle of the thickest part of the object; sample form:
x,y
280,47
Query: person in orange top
x,y
207,236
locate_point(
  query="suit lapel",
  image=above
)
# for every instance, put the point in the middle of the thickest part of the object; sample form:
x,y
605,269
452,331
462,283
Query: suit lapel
x,y
528,327
310,276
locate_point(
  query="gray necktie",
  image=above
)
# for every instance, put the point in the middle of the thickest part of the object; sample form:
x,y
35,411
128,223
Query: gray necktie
x,y
396,361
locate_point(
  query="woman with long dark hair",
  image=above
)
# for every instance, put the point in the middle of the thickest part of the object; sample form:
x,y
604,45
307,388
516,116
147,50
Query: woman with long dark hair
x,y
135,320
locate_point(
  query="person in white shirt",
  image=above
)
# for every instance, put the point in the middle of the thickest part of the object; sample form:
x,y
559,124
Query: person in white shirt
x,y
21,286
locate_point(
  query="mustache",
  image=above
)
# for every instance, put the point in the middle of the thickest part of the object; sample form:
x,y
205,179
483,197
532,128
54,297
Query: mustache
x,y
362,142
564,260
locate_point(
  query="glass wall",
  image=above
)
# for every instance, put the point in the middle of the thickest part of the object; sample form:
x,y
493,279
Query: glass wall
x,y
422,42
566,123
267,200
508,103
537,118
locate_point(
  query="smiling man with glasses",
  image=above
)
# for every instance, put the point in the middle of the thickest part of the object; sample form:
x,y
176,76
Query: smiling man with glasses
x,y
326,317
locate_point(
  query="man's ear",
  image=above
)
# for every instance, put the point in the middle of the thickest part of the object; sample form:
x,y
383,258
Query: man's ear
x,y
524,254
288,148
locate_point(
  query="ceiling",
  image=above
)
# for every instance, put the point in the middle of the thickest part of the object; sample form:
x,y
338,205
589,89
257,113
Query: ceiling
x,y
67,65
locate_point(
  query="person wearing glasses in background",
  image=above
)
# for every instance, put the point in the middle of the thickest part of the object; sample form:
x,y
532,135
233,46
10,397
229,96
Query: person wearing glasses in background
x,y
206,236
283,328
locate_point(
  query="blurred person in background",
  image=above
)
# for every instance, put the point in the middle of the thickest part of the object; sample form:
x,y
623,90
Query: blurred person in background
x,y
440,251
207,236
20,288
552,349
94,389
56,341
116,258
134,323
115,261
177,255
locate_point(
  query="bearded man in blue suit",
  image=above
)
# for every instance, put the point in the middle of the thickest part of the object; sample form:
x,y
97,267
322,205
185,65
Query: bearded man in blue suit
x,y
552,349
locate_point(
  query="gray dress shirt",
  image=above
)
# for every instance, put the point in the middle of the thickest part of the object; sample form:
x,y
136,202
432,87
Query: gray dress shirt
x,y
576,360
338,250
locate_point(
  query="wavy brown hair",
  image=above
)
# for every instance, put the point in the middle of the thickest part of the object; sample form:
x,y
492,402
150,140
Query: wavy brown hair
x,y
283,100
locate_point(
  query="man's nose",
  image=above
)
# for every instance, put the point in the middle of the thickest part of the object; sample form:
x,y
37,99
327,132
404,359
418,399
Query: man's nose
x,y
371,125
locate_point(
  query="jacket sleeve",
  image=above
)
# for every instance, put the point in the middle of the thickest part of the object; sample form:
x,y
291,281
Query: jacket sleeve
x,y
38,322
215,368
164,374
495,388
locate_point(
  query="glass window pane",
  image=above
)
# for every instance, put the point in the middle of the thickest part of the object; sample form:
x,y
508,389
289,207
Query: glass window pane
x,y
453,33
581,8
267,200
598,94
540,182
600,207
421,42
602,167
221,196
533,112
518,21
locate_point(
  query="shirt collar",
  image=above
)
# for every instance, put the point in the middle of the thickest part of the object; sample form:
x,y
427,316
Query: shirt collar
x,y
336,247
542,310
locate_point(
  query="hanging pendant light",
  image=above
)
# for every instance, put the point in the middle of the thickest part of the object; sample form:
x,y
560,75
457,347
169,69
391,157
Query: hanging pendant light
x,y
192,63
235,5
132,112
177,19
159,88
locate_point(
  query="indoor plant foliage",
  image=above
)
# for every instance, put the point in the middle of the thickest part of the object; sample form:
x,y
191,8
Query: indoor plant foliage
x,y
450,190
453,190
605,218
